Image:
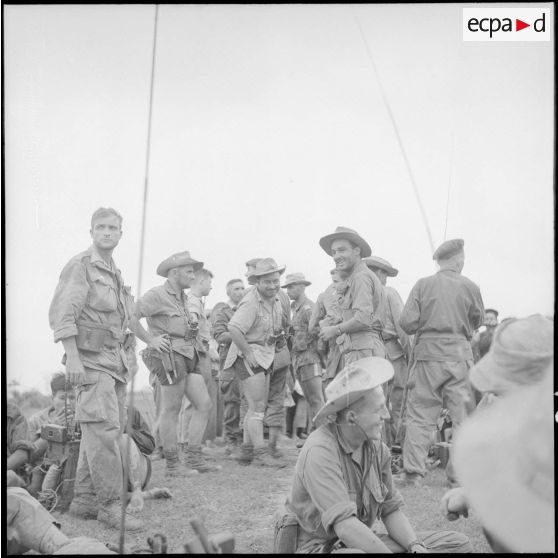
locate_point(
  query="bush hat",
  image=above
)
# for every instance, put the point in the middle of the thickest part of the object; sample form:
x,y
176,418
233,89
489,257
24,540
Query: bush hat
x,y
380,263
352,383
504,460
347,234
265,266
177,260
521,350
448,249
295,278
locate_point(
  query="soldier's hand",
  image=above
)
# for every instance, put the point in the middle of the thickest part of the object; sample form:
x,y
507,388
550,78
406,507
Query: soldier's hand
x,y
250,359
453,504
329,332
159,343
75,373
13,479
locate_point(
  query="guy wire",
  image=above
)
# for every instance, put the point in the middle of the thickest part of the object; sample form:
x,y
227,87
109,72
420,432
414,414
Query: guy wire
x,y
130,413
400,142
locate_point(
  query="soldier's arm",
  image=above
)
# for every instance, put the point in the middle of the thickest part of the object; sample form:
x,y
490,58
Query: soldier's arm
x,y
409,320
220,322
147,306
362,306
396,306
476,312
318,313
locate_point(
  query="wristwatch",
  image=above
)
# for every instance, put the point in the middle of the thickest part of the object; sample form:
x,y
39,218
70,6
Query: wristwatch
x,y
339,332
412,544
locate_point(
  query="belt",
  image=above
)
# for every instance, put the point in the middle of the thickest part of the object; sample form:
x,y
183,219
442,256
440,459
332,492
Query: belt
x,y
442,336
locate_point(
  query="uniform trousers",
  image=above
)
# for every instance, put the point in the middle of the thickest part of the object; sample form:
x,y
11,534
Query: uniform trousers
x,y
434,383
230,388
100,412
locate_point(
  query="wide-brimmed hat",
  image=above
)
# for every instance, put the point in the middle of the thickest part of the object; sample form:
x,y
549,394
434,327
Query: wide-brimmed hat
x,y
347,234
448,249
504,460
294,279
380,263
265,266
521,350
352,383
177,260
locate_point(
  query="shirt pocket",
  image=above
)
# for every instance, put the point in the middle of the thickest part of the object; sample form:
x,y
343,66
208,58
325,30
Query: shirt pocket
x,y
102,294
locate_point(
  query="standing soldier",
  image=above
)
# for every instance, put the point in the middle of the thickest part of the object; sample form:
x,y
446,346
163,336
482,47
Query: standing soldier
x,y
396,342
326,312
229,382
179,372
363,305
443,310
256,333
90,313
274,417
305,359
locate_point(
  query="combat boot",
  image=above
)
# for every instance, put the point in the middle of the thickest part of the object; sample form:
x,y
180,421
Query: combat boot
x,y
262,457
274,452
111,514
195,459
173,467
84,507
245,454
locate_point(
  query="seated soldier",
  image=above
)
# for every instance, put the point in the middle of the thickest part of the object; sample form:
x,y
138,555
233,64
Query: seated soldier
x,y
19,448
334,508
30,527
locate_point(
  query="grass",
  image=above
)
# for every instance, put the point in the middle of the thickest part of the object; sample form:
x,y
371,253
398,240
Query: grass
x,y
242,501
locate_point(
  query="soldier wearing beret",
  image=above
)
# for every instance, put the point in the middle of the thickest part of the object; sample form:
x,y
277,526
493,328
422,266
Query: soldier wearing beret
x,y
305,359
396,341
363,305
90,314
442,311
177,366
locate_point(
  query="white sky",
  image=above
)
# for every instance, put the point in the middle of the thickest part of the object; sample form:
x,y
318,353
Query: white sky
x,y
269,130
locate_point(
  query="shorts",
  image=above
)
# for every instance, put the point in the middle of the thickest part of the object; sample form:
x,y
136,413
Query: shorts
x,y
308,371
241,371
183,366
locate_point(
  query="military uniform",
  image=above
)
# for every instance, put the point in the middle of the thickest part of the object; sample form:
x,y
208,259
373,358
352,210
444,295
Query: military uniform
x,y
443,311
92,304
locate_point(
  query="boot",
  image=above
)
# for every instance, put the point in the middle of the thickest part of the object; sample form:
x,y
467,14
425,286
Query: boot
x,y
52,540
173,467
84,507
195,459
263,458
110,515
274,452
245,454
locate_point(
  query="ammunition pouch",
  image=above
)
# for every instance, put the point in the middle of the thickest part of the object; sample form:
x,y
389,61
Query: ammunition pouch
x,y
95,337
285,532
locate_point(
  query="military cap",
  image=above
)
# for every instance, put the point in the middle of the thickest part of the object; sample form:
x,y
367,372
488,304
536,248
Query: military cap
x,y
177,260
352,383
448,249
294,279
347,234
266,266
380,263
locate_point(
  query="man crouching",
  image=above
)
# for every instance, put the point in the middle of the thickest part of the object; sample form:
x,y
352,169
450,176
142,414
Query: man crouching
x,y
342,481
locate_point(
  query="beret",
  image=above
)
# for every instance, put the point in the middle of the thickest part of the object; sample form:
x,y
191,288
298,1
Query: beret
x,y
448,249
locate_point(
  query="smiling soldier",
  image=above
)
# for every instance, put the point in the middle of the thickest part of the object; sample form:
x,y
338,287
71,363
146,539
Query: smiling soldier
x,y
363,305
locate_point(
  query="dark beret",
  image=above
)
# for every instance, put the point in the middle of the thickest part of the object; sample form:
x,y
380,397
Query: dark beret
x,y
448,249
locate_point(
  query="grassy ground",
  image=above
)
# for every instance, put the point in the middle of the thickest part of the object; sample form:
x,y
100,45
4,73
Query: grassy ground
x,y
242,500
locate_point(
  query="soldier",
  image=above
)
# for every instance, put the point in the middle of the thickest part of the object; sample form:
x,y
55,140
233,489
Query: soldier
x,y
327,311
363,305
256,330
229,382
442,310
178,371
305,359
396,342
481,341
90,313
274,417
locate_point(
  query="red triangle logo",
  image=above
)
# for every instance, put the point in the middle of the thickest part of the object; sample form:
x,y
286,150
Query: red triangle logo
x,y
519,25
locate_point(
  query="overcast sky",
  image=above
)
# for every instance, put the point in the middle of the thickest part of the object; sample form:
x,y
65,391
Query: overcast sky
x,y
269,130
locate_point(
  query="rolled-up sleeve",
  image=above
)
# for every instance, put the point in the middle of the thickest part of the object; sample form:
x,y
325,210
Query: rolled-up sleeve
x,y
244,317
362,304
409,320
148,305
324,482
69,300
